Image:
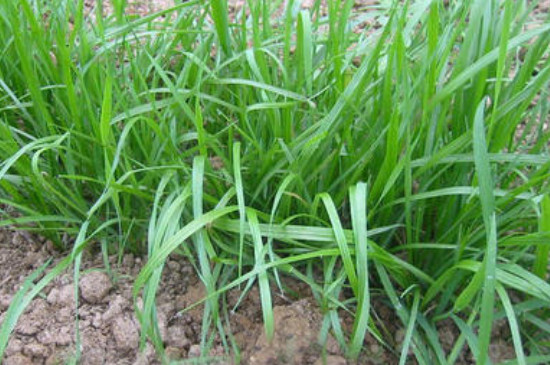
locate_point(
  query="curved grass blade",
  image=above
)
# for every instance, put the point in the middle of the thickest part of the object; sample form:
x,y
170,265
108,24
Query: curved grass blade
x,y
263,282
514,328
410,328
340,238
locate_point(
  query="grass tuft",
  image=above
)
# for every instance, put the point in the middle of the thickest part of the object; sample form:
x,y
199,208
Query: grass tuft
x,y
260,144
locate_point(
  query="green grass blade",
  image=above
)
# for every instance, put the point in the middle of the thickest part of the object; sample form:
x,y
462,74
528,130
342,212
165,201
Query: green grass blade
x,y
240,199
358,199
219,15
340,238
410,329
483,169
540,266
514,328
265,293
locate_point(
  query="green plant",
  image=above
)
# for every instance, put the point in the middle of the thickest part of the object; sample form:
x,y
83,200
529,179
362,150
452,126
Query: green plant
x,y
266,144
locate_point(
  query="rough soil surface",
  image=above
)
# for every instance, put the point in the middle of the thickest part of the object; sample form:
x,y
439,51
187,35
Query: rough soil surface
x,y
110,332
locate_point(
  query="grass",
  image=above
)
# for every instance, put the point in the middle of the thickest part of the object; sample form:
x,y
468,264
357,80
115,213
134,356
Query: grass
x,y
274,144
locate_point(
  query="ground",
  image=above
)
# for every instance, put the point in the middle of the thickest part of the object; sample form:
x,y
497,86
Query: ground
x,y
110,332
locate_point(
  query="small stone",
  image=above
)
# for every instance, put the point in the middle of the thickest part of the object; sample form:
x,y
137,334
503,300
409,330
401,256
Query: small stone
x,y
194,351
95,286
125,333
17,359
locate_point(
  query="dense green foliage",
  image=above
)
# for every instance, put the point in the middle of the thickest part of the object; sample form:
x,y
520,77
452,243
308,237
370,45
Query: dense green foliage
x,y
407,163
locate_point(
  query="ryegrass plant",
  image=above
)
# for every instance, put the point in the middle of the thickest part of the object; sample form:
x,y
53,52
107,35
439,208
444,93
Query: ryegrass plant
x,y
261,145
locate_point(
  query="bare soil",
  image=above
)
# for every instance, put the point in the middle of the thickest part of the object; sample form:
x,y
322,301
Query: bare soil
x,y
110,332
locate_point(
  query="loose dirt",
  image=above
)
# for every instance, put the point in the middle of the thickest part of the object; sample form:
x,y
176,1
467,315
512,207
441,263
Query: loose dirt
x,y
110,332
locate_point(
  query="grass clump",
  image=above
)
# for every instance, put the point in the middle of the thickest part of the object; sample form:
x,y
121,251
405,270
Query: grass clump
x,y
275,143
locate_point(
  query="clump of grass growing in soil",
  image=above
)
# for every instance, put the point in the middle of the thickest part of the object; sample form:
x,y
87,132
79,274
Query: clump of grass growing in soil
x,y
283,143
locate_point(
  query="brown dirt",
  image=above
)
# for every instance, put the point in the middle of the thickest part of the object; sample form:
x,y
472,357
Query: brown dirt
x,y
110,332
